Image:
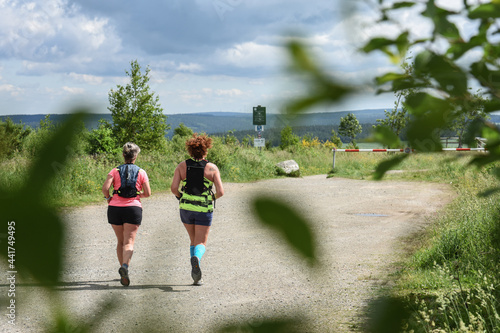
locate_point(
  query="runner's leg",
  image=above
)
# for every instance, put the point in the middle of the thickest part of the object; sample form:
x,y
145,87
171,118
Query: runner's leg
x,y
118,229
129,234
200,239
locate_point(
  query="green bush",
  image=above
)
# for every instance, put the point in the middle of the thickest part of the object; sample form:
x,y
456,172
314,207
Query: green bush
x,y
101,140
220,154
38,138
288,138
11,137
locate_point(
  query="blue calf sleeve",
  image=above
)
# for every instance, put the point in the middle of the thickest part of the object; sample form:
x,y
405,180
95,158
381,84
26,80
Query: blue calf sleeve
x,y
199,250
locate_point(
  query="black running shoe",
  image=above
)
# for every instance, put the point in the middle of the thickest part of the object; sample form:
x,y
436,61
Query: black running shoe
x,y
124,280
195,271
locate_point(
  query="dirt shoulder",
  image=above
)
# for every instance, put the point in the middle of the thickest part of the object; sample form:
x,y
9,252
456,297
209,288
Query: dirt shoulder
x,y
249,273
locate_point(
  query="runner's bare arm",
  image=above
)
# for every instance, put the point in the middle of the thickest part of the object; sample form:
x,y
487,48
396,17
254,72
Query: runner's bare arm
x,y
107,185
146,190
174,188
217,181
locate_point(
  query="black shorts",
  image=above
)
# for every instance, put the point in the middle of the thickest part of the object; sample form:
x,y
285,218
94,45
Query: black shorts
x,y
197,218
120,215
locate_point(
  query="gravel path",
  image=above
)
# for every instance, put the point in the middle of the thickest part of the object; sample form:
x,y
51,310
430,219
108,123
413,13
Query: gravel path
x,y
249,273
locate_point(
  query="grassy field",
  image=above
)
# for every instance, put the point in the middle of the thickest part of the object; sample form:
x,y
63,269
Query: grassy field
x,y
448,283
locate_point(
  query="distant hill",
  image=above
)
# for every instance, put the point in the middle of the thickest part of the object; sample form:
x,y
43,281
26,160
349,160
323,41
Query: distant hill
x,y
218,122
221,122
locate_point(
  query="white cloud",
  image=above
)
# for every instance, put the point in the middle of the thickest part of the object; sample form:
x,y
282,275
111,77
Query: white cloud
x,y
191,67
10,89
228,92
85,78
53,34
192,98
250,55
73,90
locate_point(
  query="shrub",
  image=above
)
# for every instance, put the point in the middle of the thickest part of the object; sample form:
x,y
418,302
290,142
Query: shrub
x,y
220,153
11,137
288,139
101,140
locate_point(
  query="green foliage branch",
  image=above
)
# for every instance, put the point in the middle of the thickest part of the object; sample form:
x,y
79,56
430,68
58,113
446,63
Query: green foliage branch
x,y
137,114
441,98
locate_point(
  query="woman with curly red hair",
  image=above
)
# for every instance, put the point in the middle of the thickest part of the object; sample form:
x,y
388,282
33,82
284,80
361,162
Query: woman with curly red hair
x,y
196,198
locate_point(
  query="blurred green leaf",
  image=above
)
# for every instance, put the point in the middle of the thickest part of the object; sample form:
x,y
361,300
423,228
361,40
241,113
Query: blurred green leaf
x,y
442,25
378,43
387,315
382,44
322,89
290,224
300,104
387,165
489,192
492,134
489,78
301,59
389,77
473,130
64,323
403,4
460,47
268,326
492,105
430,114
38,229
449,76
485,11
386,136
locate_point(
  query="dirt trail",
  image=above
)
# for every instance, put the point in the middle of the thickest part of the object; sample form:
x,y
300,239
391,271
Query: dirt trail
x,y
249,273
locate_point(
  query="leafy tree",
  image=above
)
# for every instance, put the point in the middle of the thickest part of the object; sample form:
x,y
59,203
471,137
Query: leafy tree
x,y
137,114
11,137
101,140
350,127
288,138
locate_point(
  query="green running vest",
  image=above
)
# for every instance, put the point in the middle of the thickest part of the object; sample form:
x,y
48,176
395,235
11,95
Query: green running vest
x,y
197,190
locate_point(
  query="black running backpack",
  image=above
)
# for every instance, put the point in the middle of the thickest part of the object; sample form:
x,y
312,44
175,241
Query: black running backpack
x,y
194,177
128,176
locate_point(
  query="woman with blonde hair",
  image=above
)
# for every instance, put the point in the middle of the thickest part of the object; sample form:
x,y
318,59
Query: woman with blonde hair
x,y
196,198
130,184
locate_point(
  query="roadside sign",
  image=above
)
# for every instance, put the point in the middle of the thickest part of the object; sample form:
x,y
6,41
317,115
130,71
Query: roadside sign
x,y
259,115
259,142
259,128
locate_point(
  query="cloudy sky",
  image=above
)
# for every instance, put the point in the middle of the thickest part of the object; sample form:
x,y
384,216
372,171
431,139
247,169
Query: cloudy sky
x,y
204,55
